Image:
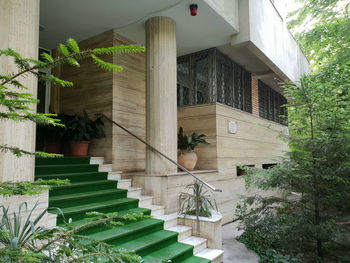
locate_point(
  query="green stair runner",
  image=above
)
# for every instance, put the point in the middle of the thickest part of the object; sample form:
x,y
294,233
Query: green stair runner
x,y
91,191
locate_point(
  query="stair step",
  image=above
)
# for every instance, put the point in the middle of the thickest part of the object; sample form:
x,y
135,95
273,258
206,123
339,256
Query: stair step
x,y
131,211
114,176
184,231
169,220
197,242
214,255
79,212
62,160
157,210
196,260
82,187
94,188
76,177
65,168
176,253
105,168
124,183
134,192
74,199
129,232
145,201
97,160
148,243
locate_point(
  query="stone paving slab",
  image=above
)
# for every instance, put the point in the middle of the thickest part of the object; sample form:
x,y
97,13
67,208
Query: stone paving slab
x,y
234,251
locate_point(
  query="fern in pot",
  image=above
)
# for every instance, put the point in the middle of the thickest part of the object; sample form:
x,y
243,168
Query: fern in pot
x,y
81,131
186,144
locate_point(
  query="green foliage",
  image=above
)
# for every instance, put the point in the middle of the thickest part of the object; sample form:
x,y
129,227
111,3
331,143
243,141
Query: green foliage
x,y
28,242
197,194
325,37
81,128
15,233
314,178
54,133
309,220
189,142
19,105
30,188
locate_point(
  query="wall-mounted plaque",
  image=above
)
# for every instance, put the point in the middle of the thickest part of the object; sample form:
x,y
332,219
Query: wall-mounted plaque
x,y
232,127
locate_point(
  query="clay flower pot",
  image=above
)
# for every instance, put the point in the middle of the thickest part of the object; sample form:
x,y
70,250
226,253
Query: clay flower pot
x,y
187,159
79,148
53,147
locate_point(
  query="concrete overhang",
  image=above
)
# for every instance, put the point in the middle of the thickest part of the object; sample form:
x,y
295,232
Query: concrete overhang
x,y
82,19
250,32
265,37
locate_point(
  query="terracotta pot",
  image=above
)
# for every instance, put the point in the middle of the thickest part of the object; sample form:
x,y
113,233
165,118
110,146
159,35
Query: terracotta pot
x,y
79,148
187,159
53,147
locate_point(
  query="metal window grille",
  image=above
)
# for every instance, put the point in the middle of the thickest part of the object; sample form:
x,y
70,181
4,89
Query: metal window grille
x,y
210,76
271,104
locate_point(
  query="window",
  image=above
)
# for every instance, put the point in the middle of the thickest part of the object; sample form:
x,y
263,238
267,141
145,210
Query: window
x,y
268,165
241,172
210,76
271,104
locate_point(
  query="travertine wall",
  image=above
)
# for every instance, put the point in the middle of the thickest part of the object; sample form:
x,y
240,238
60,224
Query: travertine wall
x,y
92,91
202,120
256,142
119,95
19,30
129,109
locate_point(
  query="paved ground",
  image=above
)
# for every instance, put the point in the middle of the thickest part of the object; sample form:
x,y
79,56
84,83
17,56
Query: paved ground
x,y
236,252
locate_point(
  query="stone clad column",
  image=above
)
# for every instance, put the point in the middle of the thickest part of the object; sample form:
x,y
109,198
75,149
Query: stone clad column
x,y
19,30
161,103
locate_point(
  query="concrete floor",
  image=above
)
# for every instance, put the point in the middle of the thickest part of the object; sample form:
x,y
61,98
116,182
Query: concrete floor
x,y
234,251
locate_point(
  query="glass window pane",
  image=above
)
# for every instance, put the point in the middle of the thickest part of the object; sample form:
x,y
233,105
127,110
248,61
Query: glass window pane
x,y
201,79
183,83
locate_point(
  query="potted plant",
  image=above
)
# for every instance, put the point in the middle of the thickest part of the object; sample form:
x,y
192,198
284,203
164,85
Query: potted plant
x,y
197,193
53,135
81,131
186,144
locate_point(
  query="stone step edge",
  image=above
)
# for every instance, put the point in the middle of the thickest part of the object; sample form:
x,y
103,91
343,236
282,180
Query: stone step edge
x,y
210,254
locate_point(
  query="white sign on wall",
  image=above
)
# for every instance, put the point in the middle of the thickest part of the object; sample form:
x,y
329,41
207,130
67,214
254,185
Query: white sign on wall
x,y
232,127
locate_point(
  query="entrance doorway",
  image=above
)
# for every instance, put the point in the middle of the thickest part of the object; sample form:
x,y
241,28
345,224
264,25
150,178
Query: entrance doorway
x,y
43,95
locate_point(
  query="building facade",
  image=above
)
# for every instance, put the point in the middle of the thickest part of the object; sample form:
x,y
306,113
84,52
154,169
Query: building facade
x,y
218,73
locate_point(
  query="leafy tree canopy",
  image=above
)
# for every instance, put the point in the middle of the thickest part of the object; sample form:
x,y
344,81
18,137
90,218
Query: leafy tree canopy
x,y
322,28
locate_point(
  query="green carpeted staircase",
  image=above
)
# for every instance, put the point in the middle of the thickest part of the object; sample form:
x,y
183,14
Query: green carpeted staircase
x,y
91,191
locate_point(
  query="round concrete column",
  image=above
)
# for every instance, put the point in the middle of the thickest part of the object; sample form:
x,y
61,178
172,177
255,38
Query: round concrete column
x,y
19,30
161,103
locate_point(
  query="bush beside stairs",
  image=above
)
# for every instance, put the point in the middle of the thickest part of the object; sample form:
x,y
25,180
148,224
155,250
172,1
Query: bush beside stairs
x,y
94,187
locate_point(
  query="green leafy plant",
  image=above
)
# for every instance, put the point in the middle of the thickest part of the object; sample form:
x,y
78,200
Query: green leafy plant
x,y
81,128
30,188
55,133
308,219
14,232
189,142
28,242
197,198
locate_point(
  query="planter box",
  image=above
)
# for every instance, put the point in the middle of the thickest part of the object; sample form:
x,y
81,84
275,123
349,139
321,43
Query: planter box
x,y
210,228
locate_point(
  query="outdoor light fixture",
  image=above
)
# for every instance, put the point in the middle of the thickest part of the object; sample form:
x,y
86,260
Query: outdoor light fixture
x,y
193,9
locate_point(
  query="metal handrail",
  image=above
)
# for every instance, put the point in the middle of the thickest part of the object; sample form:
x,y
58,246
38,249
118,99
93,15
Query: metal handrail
x,y
154,149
